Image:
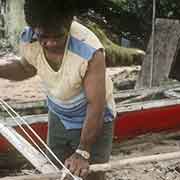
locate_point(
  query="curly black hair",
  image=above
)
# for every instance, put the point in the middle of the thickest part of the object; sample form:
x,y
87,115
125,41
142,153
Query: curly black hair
x,y
48,13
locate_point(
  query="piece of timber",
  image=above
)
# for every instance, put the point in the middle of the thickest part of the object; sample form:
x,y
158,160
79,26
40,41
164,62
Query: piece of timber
x,y
136,106
104,167
27,150
125,94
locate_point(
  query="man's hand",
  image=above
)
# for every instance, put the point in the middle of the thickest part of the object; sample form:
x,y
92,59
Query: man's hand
x,y
77,165
17,70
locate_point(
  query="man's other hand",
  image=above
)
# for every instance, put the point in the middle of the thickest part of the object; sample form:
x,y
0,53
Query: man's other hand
x,y
78,165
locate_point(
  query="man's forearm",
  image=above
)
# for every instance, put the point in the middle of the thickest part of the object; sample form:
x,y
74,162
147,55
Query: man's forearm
x,y
91,129
13,70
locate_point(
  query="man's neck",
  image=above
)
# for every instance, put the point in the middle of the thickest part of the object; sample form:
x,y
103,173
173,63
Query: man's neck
x,y
54,60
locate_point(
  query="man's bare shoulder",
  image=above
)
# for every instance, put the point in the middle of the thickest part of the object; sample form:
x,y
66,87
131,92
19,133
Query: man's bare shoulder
x,y
29,46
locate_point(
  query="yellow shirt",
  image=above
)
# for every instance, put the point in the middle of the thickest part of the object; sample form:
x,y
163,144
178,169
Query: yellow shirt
x,y
64,87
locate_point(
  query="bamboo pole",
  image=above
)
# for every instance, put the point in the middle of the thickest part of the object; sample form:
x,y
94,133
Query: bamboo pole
x,y
137,160
104,167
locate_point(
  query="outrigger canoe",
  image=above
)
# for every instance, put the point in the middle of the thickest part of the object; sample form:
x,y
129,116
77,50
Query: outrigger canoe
x,y
137,113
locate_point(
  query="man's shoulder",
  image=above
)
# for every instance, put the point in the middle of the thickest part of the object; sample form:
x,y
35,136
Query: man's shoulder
x,y
83,41
85,35
28,35
29,46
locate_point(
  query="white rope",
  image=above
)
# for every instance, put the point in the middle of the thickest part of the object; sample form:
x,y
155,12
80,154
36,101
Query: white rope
x,y
153,43
65,170
29,137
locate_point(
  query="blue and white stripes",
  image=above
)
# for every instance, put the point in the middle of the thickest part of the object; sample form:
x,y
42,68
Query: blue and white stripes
x,y
81,48
28,35
73,113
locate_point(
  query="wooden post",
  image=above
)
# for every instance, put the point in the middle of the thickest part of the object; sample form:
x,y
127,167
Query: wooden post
x,y
167,44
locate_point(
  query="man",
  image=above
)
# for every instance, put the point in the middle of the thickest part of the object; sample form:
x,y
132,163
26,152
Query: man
x,y
71,63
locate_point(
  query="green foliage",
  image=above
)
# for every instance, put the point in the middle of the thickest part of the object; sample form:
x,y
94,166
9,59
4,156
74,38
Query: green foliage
x,y
116,55
133,18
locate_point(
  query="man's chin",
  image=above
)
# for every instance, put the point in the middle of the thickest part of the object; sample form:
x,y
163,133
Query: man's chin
x,y
52,51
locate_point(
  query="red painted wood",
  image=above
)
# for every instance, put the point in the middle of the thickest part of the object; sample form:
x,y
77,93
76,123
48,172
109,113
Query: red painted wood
x,y
40,128
131,124
127,125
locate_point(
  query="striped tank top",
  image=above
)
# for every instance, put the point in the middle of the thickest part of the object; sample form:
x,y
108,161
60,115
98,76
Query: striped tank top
x,y
64,90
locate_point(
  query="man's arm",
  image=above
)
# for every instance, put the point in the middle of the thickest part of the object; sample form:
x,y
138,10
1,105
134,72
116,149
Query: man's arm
x,y
94,86
17,70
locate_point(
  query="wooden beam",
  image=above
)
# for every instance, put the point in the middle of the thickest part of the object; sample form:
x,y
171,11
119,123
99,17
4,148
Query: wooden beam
x,y
137,92
136,160
121,108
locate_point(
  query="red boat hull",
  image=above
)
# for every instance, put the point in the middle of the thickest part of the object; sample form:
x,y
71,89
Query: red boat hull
x,y
127,125
131,124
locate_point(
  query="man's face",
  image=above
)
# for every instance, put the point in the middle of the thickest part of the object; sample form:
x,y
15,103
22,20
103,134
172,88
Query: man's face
x,y
52,41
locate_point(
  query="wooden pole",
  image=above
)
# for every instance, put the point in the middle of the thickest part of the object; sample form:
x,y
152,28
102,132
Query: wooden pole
x,y
104,167
136,160
153,43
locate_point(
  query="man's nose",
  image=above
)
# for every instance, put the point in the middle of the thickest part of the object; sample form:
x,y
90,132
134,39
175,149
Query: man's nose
x,y
49,43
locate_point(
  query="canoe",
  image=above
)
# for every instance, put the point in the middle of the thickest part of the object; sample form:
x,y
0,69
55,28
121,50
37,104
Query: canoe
x,y
132,124
147,111
136,115
132,119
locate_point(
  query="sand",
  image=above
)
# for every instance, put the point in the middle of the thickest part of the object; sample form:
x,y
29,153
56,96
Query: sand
x,y
147,145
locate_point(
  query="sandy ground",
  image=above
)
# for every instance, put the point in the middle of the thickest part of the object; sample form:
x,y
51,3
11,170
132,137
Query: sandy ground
x,y
31,90
147,145
151,144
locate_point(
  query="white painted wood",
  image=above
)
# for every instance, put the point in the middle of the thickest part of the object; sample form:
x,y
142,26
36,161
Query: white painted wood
x,y
138,92
121,108
175,92
27,150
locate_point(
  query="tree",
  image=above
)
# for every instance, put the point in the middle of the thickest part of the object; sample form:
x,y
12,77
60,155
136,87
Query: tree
x,y
133,18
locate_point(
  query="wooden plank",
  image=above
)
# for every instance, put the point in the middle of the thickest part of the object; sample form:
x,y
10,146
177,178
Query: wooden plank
x,y
121,108
173,93
137,92
27,150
